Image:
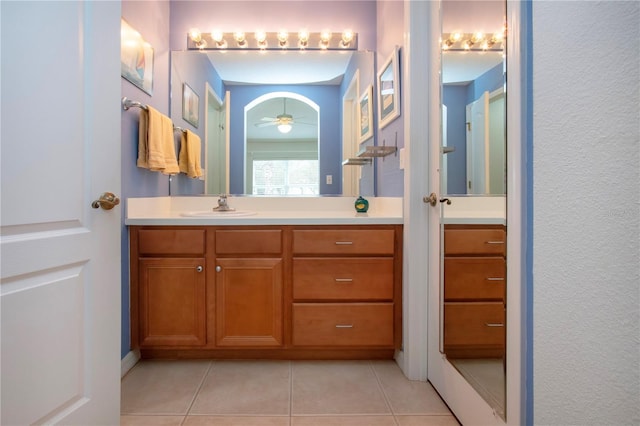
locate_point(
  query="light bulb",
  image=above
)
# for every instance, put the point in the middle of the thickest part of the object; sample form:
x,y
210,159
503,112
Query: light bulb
x,y
282,38
347,37
325,36
261,38
218,37
239,37
195,35
303,38
284,128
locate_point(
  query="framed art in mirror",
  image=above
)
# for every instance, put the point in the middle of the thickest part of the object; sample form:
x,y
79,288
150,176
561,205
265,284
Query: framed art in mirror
x,y
190,105
365,109
389,89
136,58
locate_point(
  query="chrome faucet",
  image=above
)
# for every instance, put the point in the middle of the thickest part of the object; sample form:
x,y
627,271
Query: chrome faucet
x,y
222,204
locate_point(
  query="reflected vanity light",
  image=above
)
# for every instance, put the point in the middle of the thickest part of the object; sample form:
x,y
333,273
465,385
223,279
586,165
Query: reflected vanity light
x,y
477,41
280,40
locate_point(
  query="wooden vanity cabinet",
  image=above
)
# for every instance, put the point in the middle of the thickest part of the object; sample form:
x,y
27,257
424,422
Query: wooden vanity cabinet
x,y
169,298
249,287
345,284
474,291
292,292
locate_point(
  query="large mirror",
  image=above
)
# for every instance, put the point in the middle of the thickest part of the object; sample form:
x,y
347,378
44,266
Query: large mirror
x,y
473,164
273,123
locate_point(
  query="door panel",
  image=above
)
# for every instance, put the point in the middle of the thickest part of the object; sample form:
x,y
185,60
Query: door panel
x,y
60,288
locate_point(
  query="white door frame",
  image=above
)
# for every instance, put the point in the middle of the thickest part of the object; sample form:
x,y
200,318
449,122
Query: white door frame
x,y
421,310
350,174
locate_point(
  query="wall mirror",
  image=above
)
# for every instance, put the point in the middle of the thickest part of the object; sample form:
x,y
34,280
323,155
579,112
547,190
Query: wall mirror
x,y
247,93
473,164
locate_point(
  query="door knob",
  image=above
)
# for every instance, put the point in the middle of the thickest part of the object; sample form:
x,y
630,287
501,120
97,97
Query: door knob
x,y
433,199
430,199
107,201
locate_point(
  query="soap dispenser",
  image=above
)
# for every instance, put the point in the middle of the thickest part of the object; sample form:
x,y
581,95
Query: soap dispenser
x,y
362,205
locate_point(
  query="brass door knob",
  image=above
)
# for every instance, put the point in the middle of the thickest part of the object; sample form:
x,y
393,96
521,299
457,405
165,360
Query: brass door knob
x,y
107,201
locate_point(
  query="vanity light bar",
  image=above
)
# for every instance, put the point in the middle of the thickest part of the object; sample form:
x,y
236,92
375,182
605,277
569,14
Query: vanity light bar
x,y
476,42
281,40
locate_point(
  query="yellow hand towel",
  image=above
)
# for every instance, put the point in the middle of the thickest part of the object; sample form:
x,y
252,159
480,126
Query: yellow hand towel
x,y
190,154
156,148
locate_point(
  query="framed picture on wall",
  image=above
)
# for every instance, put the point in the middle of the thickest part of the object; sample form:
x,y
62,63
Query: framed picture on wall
x,y
365,109
136,58
190,105
389,90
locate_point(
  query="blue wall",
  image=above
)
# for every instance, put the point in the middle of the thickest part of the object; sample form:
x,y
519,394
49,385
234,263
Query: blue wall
x,y
328,99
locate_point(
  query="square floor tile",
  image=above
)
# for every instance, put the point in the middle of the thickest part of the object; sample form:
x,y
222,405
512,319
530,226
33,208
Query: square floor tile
x,y
236,421
151,420
342,421
336,387
406,396
245,388
427,421
161,387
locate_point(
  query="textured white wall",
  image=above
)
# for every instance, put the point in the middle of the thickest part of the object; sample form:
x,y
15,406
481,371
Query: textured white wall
x,y
586,257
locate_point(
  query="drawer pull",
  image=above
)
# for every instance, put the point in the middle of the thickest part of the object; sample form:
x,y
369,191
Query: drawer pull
x,y
495,279
199,268
344,325
344,243
494,242
344,280
494,324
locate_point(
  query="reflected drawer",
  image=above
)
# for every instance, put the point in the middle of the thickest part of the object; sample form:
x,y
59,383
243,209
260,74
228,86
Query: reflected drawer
x,y
467,278
343,278
343,324
472,241
171,241
474,324
250,241
344,241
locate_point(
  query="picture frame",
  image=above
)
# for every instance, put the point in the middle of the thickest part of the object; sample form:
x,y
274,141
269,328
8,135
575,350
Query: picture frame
x,y
365,110
389,89
136,58
190,105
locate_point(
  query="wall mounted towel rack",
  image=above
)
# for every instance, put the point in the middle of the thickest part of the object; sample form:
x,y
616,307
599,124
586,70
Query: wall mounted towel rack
x,y
128,103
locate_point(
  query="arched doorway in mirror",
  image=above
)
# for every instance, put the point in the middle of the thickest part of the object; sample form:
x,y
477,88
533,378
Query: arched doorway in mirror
x,y
281,145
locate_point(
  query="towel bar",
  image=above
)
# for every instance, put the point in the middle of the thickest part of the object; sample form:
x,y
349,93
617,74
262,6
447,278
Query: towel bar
x,y
128,103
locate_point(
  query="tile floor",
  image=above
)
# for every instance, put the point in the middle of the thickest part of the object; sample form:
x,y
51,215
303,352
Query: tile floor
x,y
278,393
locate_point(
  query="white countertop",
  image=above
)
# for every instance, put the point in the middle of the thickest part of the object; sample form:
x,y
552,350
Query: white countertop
x,y
268,211
474,210
305,211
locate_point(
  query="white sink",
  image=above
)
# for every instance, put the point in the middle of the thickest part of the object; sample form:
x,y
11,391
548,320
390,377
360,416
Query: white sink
x,y
218,213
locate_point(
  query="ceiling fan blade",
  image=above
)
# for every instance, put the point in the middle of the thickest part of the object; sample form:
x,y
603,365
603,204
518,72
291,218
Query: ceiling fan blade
x,y
271,123
268,119
307,124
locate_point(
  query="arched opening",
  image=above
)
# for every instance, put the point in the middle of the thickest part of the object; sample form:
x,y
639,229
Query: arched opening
x,y
281,138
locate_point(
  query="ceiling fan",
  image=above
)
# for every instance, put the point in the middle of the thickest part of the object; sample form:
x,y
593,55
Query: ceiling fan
x,y
284,121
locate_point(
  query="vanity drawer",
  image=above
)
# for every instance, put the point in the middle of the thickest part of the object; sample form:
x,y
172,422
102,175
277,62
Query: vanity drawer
x,y
474,324
479,278
472,241
344,241
250,241
343,324
332,278
171,241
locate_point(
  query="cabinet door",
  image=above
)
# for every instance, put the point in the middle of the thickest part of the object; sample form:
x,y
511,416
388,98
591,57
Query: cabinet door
x,y
172,302
249,302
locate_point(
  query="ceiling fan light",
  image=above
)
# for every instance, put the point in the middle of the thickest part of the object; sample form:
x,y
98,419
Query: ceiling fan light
x,y
284,128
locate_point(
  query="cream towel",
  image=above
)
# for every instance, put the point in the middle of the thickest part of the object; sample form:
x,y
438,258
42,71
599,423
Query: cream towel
x,y
156,148
190,154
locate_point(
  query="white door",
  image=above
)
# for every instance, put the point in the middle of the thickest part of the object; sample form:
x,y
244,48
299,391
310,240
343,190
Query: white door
x,y
350,174
60,277
216,151
477,141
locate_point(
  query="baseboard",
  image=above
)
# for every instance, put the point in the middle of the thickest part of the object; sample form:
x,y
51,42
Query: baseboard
x,y
129,361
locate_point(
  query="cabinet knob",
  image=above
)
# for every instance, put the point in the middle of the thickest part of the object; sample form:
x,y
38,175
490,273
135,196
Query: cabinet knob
x,y
199,269
218,268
